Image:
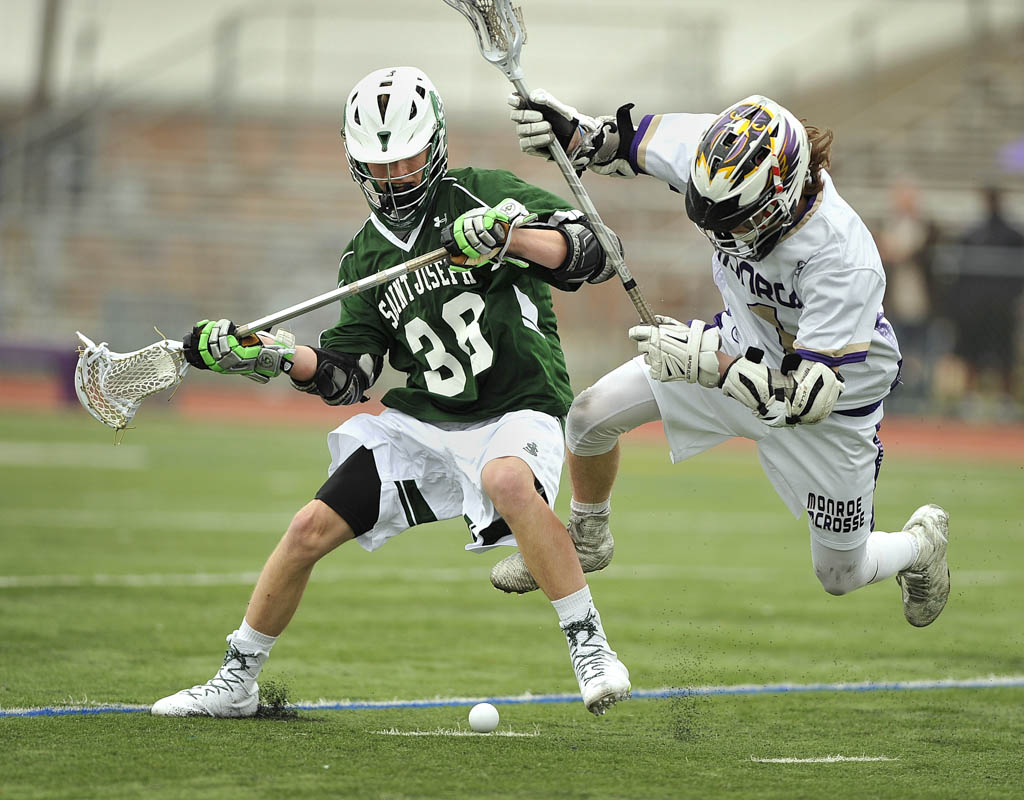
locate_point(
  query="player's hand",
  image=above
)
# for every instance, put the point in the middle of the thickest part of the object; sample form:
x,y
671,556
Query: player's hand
x,y
748,380
545,119
600,143
817,389
482,236
214,346
676,351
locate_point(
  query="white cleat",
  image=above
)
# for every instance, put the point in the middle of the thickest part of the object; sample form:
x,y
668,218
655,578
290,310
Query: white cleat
x,y
603,679
925,583
592,536
230,693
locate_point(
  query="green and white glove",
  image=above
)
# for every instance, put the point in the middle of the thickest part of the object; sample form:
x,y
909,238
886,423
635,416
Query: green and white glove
x,y
214,346
482,236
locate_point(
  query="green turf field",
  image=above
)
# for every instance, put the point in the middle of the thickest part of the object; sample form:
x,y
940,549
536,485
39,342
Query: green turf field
x,y
121,571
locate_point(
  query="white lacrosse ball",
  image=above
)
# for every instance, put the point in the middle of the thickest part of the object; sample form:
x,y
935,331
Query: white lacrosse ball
x,y
483,718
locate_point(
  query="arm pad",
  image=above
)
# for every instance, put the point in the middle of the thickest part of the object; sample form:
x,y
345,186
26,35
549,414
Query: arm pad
x,y
585,259
341,378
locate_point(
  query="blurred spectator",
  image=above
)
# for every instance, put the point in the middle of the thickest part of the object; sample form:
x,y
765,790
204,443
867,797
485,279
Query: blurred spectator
x,y
987,292
906,242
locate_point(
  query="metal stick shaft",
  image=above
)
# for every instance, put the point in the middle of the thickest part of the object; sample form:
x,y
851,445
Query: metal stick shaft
x,y
604,235
341,292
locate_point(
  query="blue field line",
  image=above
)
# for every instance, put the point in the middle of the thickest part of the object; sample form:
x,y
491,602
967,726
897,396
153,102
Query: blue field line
x,y
990,682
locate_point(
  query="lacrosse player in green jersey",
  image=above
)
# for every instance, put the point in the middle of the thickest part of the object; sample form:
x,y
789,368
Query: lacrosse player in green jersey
x,y
477,430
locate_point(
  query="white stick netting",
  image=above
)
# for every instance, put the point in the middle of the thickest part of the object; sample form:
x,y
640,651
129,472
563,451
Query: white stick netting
x,y
111,386
498,26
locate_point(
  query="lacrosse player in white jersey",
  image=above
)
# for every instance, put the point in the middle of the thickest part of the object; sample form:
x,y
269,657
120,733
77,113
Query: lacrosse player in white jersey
x,y
802,286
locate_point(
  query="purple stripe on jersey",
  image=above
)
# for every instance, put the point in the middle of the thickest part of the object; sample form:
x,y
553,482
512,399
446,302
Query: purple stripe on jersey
x,y
883,327
638,137
833,361
863,411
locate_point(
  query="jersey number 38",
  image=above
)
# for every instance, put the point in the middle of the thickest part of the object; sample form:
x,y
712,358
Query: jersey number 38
x,y
462,314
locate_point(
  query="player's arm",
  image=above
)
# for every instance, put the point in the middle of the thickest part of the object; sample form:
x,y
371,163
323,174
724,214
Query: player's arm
x,y
659,145
339,378
564,245
841,303
350,356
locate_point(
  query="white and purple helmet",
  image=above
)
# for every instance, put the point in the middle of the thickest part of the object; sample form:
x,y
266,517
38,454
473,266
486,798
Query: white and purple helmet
x,y
394,114
747,177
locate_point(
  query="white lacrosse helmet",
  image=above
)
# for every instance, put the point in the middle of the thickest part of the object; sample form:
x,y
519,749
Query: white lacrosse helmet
x,y
394,114
747,176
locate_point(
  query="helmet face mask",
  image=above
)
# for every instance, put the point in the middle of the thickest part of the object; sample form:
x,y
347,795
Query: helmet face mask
x,y
395,115
747,177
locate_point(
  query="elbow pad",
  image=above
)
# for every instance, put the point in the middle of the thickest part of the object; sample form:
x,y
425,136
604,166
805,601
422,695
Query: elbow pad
x,y
341,378
585,259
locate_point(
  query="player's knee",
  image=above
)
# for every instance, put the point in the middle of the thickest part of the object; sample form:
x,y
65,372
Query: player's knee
x,y
314,531
837,580
509,483
584,433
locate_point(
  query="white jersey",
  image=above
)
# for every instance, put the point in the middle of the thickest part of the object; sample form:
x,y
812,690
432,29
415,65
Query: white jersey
x,y
818,293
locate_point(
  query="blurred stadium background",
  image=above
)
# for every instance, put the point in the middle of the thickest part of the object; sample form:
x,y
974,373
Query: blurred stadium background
x,y
164,162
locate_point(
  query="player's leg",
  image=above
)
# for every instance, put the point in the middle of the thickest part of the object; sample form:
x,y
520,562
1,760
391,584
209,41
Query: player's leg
x,y
352,492
618,402
829,470
549,554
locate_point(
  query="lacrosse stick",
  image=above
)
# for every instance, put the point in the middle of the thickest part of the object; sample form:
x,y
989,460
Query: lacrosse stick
x,y
111,386
500,35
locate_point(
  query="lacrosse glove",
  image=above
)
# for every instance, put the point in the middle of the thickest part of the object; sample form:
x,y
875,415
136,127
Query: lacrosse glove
x,y
748,380
482,236
679,351
214,346
603,143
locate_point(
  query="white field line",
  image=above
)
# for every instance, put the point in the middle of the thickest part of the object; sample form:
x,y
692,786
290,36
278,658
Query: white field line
x,y
85,706
820,760
65,454
453,732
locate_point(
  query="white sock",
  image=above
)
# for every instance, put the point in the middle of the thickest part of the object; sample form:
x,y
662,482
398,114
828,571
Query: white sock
x,y
891,552
604,507
575,607
256,647
253,638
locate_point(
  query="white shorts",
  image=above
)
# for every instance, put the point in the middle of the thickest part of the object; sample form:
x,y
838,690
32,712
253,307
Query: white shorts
x,y
430,473
827,470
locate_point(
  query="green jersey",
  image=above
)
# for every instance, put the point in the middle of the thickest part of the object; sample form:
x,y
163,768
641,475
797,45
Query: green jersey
x,y
473,345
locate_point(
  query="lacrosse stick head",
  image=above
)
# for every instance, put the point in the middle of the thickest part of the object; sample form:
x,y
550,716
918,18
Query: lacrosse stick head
x,y
499,29
111,386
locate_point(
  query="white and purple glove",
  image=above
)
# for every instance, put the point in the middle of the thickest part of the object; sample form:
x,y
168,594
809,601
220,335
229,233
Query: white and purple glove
x,y
818,387
677,351
598,143
748,380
